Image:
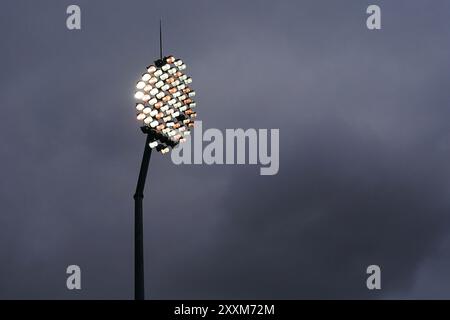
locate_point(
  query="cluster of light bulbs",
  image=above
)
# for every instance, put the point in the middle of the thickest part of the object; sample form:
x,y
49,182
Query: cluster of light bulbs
x,y
165,103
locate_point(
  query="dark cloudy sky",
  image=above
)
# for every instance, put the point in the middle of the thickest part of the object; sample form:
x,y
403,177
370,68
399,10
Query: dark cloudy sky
x,y
364,153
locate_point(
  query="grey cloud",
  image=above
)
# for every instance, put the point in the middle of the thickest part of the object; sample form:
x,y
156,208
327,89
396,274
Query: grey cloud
x,y
363,155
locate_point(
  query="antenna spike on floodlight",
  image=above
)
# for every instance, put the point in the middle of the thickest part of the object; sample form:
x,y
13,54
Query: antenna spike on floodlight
x,y
160,39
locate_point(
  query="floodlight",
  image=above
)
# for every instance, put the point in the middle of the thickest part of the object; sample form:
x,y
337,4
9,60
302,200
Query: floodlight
x,y
164,109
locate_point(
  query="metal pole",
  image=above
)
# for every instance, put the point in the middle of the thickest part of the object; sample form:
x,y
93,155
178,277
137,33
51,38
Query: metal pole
x,y
139,288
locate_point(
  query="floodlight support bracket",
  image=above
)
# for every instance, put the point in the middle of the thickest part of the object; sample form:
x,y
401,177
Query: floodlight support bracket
x,y
139,287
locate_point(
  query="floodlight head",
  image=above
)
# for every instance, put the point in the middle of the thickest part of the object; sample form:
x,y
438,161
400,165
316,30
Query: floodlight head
x,y
164,103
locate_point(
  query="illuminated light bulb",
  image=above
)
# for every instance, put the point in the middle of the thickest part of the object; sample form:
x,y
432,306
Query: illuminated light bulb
x,y
158,105
171,71
166,98
151,69
170,80
165,150
170,59
178,62
139,106
153,144
176,94
164,76
165,108
183,108
147,88
154,123
153,80
192,94
160,95
146,77
154,91
194,115
146,97
182,67
165,67
171,102
181,86
158,73
168,118
147,110
189,111
186,121
178,74
175,114
188,80
170,111
192,105
187,90
148,120
140,85
191,124
160,127
153,101
187,101
178,104
140,116
139,95
175,83
169,124
159,84
159,115
183,77
177,125
172,90
183,97
165,87
154,112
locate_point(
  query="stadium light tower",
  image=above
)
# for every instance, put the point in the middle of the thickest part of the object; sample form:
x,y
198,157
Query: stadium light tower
x,y
165,106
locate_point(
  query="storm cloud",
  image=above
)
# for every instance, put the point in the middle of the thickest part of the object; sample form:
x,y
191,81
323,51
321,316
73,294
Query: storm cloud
x,y
364,149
